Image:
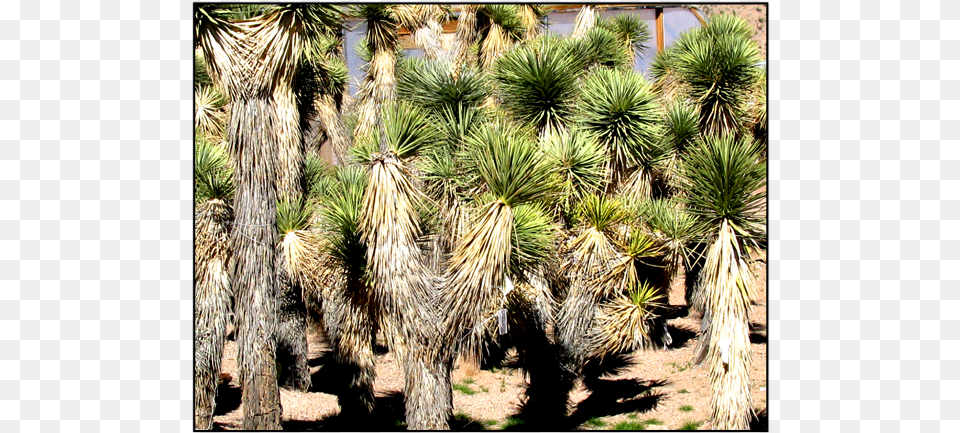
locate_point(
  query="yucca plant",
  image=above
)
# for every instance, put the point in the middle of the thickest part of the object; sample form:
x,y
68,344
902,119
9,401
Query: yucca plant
x,y
513,173
717,66
580,163
208,116
431,85
722,177
631,30
590,259
402,284
537,84
619,109
213,188
628,322
600,47
425,23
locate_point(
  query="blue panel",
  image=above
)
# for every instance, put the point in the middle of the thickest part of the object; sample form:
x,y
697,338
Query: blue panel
x,y
676,21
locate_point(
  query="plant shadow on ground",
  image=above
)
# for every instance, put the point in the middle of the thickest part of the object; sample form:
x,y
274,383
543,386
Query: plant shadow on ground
x,y
388,415
760,422
680,335
608,398
614,397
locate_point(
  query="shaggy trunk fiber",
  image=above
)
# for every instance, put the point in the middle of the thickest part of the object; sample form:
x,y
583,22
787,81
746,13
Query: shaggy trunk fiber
x,y
336,131
465,37
586,19
253,143
212,304
726,277
378,87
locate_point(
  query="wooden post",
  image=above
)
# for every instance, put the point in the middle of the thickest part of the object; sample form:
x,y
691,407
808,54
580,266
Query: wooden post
x,y
659,15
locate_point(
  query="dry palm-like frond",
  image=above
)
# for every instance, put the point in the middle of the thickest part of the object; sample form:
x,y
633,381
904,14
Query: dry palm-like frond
x,y
208,116
212,302
534,19
579,161
538,84
379,85
500,27
464,38
618,108
630,29
586,20
293,262
627,322
425,22
717,65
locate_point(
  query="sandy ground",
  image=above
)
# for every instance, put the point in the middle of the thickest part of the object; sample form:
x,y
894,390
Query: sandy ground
x,y
662,386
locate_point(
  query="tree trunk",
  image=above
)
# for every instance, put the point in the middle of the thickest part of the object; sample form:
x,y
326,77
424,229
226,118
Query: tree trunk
x,y
292,350
291,326
253,143
349,323
212,304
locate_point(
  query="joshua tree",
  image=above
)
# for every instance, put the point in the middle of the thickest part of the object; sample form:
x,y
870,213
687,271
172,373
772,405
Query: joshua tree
x,y
401,283
254,61
722,175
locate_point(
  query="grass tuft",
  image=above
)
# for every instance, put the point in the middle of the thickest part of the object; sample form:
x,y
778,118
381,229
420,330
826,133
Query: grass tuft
x,y
596,422
630,425
691,425
686,408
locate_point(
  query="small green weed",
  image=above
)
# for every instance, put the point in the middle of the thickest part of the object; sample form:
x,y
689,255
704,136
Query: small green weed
x,y
484,389
463,421
682,391
680,367
596,422
503,385
653,421
686,408
630,425
632,416
466,389
512,422
467,380
691,425
489,422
